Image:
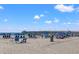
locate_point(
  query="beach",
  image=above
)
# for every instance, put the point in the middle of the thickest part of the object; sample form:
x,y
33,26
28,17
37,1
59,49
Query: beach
x,y
40,46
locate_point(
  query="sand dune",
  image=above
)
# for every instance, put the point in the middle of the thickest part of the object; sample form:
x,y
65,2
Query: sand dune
x,y
41,46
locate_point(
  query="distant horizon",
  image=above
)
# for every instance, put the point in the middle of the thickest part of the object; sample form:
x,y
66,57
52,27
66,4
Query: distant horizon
x,y
35,31
39,17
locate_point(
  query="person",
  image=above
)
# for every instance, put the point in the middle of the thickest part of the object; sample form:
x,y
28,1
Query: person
x,y
24,40
51,38
16,39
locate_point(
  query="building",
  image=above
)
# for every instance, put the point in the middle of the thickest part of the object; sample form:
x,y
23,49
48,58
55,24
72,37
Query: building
x,y
39,34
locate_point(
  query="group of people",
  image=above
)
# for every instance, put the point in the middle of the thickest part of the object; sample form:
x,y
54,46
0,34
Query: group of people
x,y
23,39
20,40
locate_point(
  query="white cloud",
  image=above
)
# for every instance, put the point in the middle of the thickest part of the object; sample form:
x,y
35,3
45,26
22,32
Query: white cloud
x,y
63,8
37,17
5,20
56,20
41,15
48,21
24,28
64,23
1,7
68,23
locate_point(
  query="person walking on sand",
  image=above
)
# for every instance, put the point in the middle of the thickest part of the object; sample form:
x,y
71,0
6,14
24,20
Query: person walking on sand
x,y
24,40
16,39
52,38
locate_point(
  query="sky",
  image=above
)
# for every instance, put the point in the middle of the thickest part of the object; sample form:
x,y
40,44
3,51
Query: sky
x,y
39,17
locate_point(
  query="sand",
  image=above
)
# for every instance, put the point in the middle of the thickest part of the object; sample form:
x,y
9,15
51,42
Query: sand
x,y
40,46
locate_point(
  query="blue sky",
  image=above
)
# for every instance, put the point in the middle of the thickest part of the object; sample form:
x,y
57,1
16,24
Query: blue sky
x,y
35,17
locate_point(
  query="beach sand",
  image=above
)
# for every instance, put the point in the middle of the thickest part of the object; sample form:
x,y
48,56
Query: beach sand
x,y
40,46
